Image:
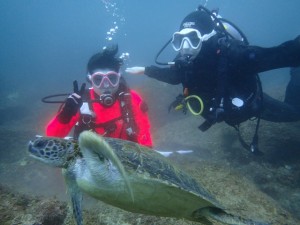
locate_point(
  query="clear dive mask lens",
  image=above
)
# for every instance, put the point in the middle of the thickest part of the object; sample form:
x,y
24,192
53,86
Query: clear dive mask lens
x,y
192,36
111,77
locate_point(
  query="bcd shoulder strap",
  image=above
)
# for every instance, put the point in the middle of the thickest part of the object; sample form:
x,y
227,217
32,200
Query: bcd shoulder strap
x,y
127,112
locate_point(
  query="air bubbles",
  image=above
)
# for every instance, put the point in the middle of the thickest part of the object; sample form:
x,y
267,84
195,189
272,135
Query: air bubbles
x,y
114,11
111,33
124,56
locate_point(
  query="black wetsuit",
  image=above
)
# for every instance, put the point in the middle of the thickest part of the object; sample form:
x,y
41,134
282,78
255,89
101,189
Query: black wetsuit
x,y
227,70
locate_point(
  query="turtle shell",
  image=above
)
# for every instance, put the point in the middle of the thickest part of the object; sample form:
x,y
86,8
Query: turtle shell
x,y
142,161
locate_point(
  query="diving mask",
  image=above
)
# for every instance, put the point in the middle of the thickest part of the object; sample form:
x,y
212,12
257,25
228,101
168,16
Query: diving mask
x,y
105,80
192,36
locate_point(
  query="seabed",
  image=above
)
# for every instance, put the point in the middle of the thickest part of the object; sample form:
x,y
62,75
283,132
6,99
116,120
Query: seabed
x,y
264,188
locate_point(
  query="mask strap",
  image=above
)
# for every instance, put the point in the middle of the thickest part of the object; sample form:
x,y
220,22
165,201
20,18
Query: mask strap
x,y
205,37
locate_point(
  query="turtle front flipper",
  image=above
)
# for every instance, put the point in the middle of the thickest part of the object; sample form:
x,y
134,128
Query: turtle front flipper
x,y
220,215
97,152
75,195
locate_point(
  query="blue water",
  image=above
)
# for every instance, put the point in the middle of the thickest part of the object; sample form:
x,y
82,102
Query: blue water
x,y
51,41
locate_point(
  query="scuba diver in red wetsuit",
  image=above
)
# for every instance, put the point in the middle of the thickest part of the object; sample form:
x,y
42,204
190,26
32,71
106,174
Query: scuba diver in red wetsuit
x,y
109,107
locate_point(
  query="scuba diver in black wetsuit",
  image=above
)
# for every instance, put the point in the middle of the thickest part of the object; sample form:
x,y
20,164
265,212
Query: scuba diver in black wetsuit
x,y
217,65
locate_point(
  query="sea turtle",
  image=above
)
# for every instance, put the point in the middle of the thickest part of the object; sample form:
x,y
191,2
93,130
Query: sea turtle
x,y
129,176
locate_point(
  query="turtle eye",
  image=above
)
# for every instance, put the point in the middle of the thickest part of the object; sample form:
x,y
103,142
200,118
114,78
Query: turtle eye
x,y
101,157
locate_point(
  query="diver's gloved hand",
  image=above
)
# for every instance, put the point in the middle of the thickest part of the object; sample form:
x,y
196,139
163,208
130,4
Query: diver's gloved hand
x,y
136,70
72,104
178,104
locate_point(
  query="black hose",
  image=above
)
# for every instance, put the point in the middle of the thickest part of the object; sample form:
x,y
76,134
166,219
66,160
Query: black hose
x,y
157,55
45,99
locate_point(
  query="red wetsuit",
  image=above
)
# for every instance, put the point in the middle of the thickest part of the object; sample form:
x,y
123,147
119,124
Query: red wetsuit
x,y
105,114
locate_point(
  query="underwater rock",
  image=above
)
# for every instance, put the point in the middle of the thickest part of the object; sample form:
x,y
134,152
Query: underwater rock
x,y
17,208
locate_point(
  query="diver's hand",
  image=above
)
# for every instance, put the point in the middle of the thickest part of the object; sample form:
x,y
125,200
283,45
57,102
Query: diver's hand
x,y
136,70
72,104
76,90
74,101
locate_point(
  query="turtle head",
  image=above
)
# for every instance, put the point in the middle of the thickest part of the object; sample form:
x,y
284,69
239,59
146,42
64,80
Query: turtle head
x,y
53,151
